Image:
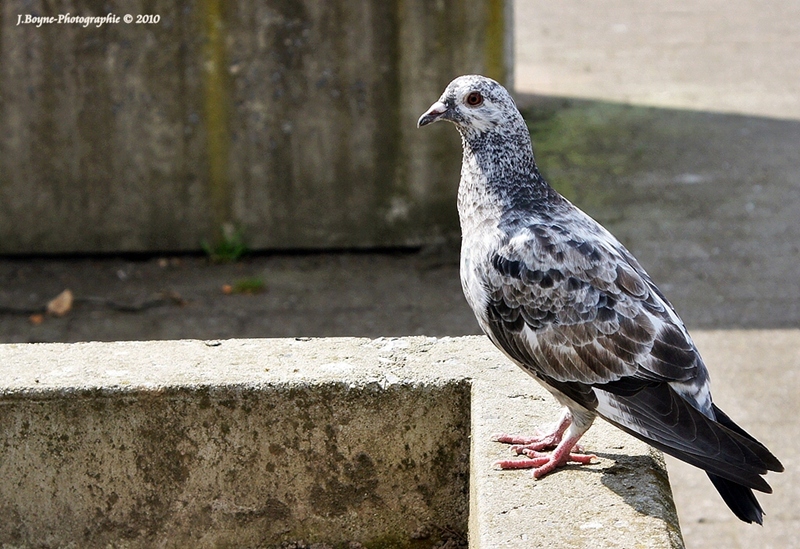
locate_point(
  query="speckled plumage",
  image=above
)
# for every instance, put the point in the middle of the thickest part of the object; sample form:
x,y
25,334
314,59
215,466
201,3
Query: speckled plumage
x,y
564,299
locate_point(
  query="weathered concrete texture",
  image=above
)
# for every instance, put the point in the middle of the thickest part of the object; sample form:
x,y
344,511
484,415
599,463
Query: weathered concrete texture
x,y
623,500
243,444
101,131
249,443
294,121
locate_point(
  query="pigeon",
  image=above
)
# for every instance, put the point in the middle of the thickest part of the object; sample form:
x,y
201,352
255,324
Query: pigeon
x,y
562,298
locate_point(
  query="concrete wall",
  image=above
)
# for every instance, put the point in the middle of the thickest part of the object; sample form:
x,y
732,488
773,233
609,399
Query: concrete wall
x,y
291,120
255,443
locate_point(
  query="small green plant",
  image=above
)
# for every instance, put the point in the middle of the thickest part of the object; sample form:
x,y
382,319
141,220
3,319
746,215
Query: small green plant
x,y
228,248
252,285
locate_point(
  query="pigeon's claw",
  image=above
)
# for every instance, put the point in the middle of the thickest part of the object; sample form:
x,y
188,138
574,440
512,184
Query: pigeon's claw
x,y
540,441
543,443
523,440
522,444
544,463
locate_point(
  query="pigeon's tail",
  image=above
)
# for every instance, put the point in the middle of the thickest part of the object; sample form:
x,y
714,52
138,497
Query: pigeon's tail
x,y
740,499
764,457
733,459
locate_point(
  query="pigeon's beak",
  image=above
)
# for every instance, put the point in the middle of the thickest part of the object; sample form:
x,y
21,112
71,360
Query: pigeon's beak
x,y
434,113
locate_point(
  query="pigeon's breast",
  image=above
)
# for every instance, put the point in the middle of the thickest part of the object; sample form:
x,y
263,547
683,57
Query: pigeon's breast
x,y
476,252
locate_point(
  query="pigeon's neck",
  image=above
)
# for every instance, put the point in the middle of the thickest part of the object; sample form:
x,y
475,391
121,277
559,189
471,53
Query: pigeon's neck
x,y
498,175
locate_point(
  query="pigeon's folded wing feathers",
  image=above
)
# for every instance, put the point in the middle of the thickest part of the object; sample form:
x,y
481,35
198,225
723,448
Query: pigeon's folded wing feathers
x,y
581,315
583,312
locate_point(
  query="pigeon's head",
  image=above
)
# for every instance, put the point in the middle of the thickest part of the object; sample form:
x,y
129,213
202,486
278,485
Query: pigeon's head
x,y
476,105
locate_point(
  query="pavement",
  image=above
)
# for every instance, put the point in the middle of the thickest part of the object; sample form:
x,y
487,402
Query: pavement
x,y
674,124
737,57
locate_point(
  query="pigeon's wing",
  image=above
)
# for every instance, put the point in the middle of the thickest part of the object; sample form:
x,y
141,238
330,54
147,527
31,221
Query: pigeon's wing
x,y
576,310
577,307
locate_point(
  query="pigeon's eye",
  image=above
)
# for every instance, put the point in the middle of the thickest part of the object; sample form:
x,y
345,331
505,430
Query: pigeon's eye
x,y
474,99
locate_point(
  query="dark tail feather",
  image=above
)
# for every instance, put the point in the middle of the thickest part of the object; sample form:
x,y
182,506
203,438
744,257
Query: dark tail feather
x,y
733,459
740,499
770,460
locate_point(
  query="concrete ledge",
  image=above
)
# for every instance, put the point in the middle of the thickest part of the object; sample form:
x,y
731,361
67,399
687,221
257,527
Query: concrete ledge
x,y
624,500
251,443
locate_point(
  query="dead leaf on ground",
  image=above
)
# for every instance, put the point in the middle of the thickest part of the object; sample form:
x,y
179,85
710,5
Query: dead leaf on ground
x,y
36,319
61,304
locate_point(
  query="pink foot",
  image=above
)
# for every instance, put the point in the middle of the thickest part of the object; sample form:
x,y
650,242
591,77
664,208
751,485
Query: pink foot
x,y
541,441
543,463
521,445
